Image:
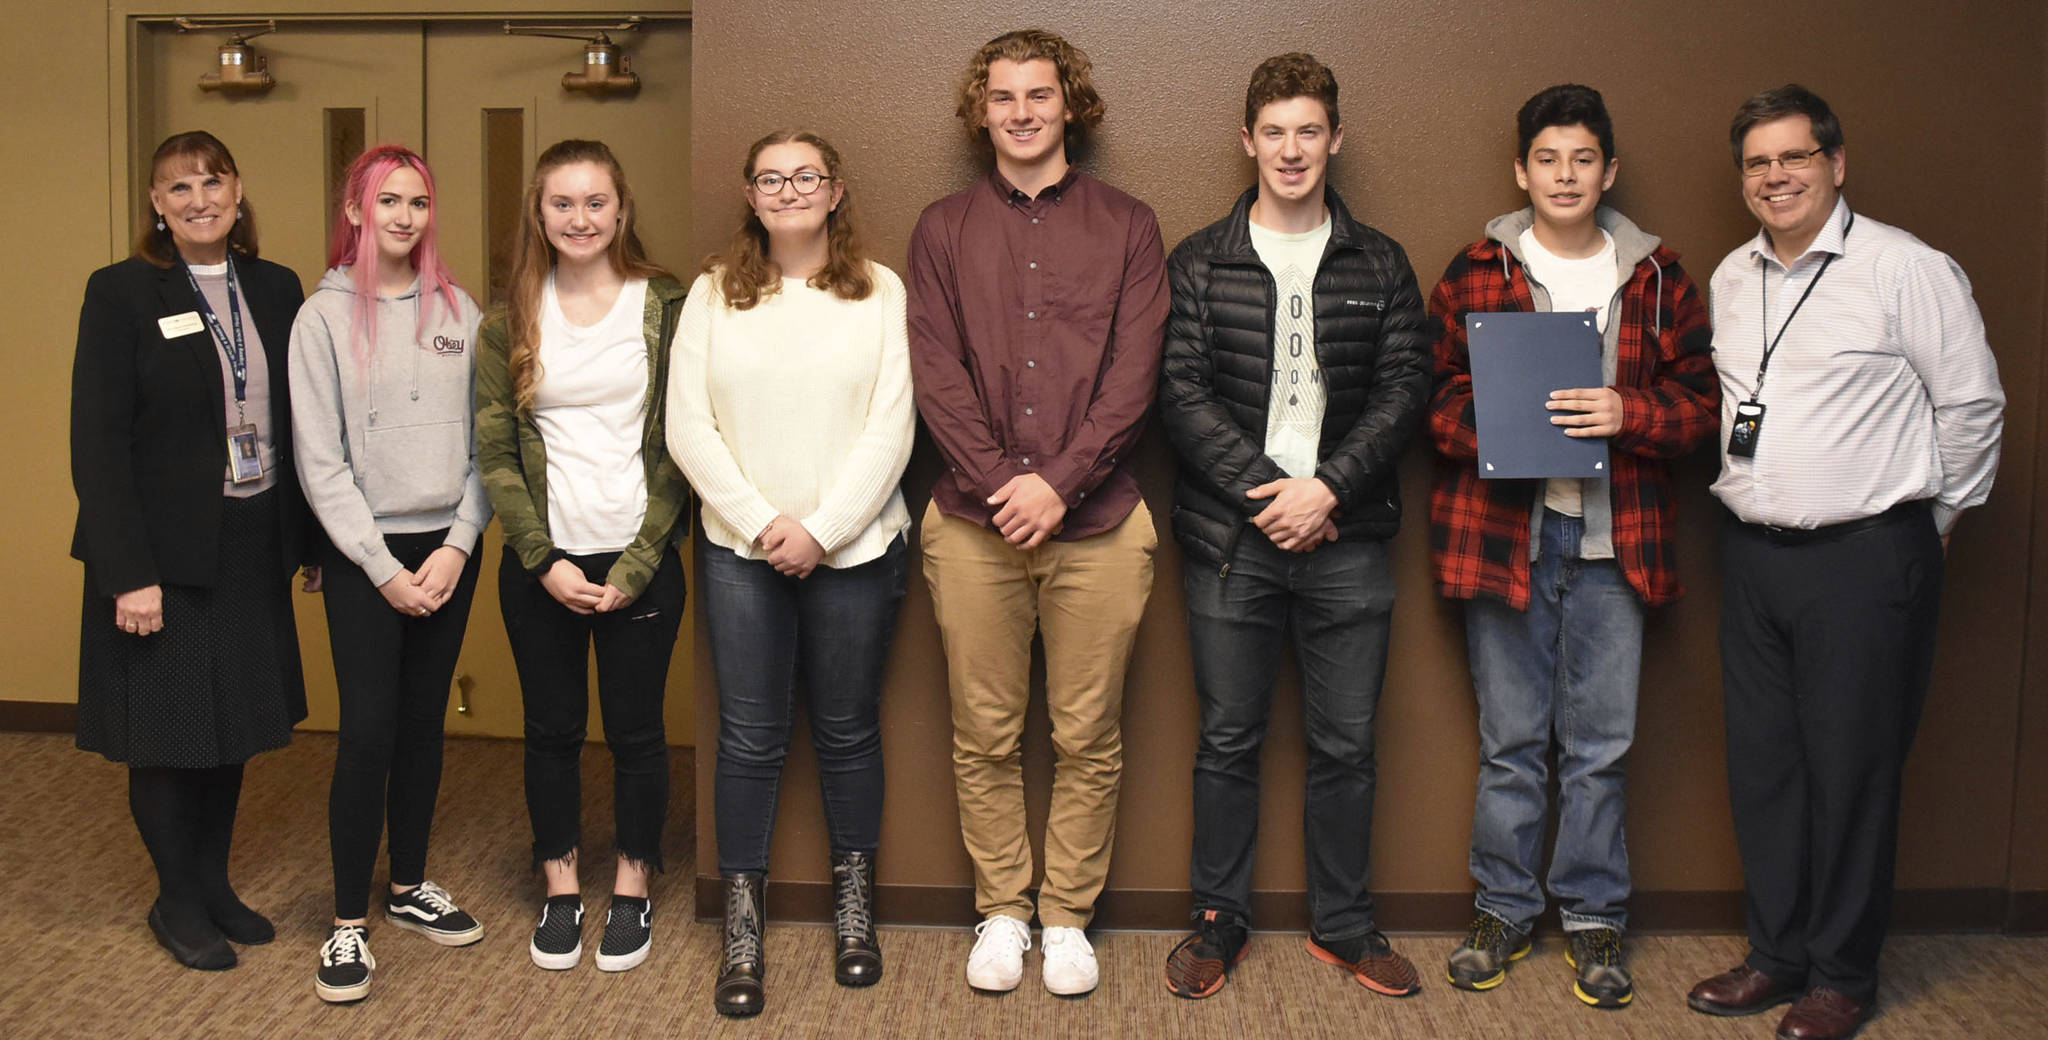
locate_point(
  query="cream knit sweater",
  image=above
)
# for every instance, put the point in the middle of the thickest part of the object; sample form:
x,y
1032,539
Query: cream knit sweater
x,y
799,406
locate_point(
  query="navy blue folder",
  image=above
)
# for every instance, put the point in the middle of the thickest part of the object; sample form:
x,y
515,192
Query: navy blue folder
x,y
1518,358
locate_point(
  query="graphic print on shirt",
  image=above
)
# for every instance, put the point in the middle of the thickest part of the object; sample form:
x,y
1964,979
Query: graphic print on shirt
x,y
1294,410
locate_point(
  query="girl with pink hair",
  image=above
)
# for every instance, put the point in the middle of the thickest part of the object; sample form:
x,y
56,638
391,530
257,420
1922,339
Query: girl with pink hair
x,y
381,363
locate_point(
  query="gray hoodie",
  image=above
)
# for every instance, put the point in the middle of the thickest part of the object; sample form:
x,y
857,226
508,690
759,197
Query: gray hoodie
x,y
391,450
1632,246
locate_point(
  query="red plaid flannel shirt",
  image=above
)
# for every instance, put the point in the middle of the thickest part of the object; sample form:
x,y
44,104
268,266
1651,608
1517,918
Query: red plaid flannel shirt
x,y
1670,402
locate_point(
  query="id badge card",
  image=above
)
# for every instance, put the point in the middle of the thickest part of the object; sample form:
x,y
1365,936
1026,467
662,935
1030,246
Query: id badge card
x,y
245,457
1748,426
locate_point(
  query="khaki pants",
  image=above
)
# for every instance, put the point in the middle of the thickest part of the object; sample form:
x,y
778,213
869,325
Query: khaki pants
x,y
1086,598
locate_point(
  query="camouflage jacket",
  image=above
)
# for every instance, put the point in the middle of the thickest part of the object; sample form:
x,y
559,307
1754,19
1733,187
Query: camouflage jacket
x,y
514,460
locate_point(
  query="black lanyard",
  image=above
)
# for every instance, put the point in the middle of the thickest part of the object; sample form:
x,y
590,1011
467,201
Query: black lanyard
x,y
1763,295
237,352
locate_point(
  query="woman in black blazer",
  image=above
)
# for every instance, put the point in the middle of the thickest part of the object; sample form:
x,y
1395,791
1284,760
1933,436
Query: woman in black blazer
x,y
190,523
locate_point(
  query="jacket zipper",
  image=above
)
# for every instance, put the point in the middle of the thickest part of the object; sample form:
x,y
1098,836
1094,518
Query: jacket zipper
x,y
1273,344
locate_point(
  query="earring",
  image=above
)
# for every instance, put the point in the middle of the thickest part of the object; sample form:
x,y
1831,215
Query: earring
x,y
238,211
159,222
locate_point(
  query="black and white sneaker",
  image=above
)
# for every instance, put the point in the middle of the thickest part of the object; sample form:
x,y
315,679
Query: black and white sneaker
x,y
426,909
558,938
628,934
345,964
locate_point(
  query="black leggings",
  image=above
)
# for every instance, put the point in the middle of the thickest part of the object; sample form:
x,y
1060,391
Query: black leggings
x,y
393,673
551,647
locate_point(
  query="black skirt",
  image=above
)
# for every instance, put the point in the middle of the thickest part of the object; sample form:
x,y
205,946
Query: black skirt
x,y
221,681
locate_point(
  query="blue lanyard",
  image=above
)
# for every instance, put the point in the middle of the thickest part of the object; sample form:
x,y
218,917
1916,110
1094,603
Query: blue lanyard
x,y
237,352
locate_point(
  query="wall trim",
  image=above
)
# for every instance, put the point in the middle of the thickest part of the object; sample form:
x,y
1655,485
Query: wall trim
x,y
38,716
2026,913
1448,913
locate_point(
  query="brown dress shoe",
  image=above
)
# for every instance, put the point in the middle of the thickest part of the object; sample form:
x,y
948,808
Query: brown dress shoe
x,y
1742,990
1824,1014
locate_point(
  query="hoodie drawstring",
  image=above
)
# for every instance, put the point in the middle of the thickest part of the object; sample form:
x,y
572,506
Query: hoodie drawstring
x,y
1657,299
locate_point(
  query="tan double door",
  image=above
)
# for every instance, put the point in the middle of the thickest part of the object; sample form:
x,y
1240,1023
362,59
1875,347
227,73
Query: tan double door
x,y
480,105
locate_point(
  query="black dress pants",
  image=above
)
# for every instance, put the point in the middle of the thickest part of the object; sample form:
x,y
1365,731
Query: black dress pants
x,y
1826,649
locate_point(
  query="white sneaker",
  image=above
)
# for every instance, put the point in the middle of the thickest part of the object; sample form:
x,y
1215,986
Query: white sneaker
x,y
997,963
1069,962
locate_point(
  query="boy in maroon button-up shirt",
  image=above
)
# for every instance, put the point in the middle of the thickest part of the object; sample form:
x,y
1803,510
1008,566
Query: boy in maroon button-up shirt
x,y
1038,302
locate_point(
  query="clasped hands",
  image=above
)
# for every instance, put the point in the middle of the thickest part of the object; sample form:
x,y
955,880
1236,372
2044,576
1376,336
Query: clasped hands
x,y
421,592
1298,517
792,550
565,582
1028,510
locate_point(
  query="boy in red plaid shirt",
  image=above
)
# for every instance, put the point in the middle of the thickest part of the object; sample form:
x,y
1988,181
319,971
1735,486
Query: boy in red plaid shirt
x,y
1557,574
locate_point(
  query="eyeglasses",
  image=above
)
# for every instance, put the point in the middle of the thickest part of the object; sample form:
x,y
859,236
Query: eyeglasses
x,y
805,182
1758,165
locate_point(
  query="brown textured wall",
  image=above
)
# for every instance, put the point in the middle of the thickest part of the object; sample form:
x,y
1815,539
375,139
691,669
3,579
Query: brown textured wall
x,y
1942,116
2030,809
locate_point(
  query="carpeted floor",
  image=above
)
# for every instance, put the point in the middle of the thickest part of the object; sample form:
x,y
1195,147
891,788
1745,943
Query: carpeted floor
x,y
76,960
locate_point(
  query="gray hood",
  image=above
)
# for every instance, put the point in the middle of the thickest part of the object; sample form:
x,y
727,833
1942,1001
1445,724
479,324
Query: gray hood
x,y
1632,245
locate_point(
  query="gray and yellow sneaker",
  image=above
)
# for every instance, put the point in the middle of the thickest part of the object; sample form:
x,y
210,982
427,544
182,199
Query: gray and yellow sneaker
x,y
1481,963
1603,981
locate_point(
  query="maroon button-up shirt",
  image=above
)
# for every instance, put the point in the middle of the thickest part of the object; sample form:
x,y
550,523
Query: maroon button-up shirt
x,y
1035,333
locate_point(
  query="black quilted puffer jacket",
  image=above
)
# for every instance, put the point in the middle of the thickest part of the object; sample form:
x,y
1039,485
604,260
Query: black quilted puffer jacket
x,y
1372,347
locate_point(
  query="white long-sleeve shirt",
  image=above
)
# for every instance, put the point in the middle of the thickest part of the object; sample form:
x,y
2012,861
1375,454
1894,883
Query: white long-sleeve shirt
x,y
1882,391
799,406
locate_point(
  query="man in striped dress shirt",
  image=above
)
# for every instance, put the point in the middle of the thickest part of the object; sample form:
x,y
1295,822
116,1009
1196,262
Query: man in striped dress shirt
x,y
1863,411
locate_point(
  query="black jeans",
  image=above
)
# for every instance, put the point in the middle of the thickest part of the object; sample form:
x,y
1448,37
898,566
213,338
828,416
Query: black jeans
x,y
772,637
392,673
1826,651
1337,603
551,649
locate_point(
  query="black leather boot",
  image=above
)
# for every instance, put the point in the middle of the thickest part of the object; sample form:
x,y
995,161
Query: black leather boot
x,y
859,960
739,989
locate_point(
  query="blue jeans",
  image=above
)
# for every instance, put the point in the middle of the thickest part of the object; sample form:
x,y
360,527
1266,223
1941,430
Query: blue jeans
x,y
1336,602
1561,675
772,636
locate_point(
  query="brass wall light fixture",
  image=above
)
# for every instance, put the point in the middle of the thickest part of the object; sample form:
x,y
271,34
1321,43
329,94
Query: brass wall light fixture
x,y
606,68
242,72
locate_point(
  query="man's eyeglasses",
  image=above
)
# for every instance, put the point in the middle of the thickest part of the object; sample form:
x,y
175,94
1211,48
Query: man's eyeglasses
x,y
805,182
1758,165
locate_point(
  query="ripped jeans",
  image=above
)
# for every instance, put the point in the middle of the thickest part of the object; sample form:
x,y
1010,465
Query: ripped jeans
x,y
551,650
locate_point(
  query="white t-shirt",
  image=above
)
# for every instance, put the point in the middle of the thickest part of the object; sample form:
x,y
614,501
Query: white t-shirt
x,y
591,407
1586,284
1294,407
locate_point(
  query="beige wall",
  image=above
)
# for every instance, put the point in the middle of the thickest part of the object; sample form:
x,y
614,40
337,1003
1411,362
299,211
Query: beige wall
x,y
1429,91
59,132
84,48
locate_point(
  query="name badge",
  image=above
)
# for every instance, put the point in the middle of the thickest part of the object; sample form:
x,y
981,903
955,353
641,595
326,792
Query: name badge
x,y
181,324
245,461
